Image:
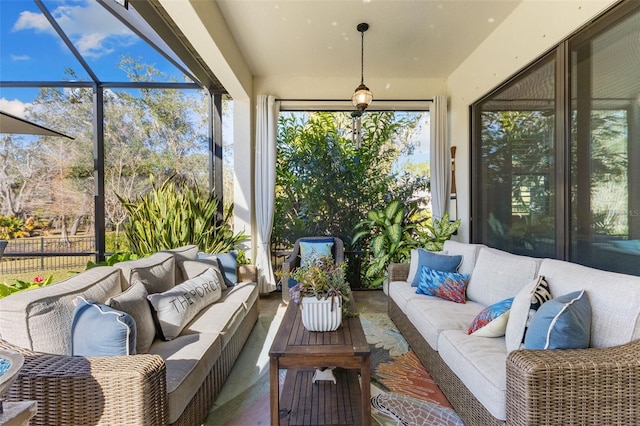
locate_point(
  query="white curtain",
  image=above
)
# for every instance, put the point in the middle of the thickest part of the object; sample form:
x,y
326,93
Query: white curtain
x,y
440,157
265,169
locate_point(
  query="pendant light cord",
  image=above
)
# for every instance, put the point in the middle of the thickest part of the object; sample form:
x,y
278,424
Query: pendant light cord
x,y
361,57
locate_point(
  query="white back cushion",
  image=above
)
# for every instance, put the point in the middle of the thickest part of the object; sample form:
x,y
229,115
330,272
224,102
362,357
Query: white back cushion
x,y
615,299
469,253
157,272
40,319
499,275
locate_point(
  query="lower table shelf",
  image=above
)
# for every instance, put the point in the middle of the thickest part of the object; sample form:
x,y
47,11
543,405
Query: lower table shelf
x,y
322,403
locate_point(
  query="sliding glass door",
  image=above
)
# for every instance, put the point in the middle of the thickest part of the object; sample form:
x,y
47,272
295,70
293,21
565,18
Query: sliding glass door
x,y
556,151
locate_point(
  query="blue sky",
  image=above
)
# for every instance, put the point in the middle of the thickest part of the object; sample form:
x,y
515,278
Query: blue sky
x,y
30,49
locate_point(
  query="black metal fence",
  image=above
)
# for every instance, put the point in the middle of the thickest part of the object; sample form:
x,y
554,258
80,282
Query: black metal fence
x,y
36,255
25,255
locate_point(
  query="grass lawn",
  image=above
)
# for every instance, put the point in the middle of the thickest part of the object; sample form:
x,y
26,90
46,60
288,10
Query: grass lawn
x,y
29,276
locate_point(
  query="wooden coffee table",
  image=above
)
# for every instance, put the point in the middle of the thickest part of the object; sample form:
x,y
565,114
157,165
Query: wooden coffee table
x,y
300,351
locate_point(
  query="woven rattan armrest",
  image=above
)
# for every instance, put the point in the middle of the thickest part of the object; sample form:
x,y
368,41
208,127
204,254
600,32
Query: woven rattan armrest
x,y
92,390
398,272
586,386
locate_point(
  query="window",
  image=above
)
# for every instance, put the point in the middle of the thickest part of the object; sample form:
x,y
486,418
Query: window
x,y
556,151
327,181
605,145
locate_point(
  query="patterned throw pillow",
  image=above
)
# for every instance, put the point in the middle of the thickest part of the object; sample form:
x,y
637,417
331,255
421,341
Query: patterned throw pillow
x,y
561,323
524,307
439,262
446,285
492,320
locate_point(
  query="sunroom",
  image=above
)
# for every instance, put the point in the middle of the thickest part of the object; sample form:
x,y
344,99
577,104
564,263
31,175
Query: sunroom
x,y
540,99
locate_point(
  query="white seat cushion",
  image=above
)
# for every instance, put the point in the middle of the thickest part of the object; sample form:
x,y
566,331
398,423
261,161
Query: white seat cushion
x,y
225,316
189,358
480,363
401,292
431,315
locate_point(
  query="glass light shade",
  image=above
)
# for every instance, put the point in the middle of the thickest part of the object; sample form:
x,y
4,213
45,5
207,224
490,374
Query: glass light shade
x,y
362,97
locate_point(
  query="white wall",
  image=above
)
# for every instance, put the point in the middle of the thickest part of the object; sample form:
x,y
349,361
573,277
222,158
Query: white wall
x,y
533,28
340,88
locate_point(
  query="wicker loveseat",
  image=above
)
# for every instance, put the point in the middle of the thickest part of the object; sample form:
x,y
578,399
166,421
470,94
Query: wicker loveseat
x,y
488,385
174,382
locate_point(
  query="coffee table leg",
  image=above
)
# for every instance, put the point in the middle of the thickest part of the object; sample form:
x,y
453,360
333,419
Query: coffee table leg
x,y
274,391
366,392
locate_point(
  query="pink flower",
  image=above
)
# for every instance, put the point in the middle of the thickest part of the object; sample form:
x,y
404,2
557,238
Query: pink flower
x,y
39,279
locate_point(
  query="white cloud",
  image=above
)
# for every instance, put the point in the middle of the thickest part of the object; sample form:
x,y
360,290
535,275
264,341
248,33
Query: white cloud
x,y
92,45
33,21
20,57
14,107
93,30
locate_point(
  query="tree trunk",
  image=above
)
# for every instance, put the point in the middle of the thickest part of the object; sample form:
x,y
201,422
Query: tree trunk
x,y
64,235
75,225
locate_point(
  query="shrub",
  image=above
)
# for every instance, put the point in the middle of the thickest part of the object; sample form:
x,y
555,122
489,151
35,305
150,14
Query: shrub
x,y
19,285
177,214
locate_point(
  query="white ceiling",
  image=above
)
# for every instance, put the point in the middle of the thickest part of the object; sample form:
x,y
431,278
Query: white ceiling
x,y
318,38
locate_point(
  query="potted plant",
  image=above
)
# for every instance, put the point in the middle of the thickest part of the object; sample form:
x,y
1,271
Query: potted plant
x,y
323,294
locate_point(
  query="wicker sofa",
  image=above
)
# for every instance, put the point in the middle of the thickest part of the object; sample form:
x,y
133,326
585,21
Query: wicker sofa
x,y
174,382
486,384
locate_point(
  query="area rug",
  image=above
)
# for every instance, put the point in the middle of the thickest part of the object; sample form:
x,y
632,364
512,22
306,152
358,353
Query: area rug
x,y
402,392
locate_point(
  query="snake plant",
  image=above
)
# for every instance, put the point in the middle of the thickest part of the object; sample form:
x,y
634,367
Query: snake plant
x,y
176,214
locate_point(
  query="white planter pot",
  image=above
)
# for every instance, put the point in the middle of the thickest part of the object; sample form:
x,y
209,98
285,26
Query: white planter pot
x,y
318,316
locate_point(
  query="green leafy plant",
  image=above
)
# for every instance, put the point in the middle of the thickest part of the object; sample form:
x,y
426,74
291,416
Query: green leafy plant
x,y
391,233
19,285
11,227
176,214
322,279
394,231
113,259
439,231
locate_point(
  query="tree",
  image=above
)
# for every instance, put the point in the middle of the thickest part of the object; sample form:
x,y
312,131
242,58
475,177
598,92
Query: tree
x,y
325,185
21,173
146,131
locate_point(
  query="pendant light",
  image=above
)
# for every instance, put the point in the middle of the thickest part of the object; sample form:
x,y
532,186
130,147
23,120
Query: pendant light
x,y
362,97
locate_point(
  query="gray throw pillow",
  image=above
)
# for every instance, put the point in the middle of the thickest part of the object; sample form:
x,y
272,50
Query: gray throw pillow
x,y
195,268
175,308
134,302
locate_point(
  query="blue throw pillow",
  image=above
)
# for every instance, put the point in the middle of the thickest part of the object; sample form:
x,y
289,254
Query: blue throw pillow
x,y
99,330
439,262
228,265
492,320
561,323
313,249
446,285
